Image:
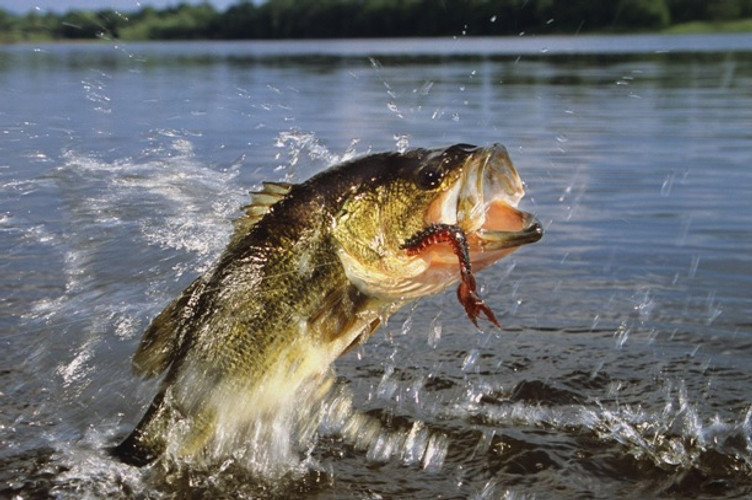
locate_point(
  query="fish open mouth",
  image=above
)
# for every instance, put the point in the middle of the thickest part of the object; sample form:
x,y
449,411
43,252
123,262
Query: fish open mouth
x,y
483,202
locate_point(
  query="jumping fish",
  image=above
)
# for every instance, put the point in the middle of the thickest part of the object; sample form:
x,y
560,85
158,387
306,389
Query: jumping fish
x,y
311,270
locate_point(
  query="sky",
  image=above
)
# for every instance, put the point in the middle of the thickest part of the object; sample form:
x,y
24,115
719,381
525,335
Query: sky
x,y
60,6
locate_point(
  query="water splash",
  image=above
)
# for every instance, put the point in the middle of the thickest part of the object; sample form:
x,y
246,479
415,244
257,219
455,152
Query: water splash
x,y
674,438
167,200
296,145
435,330
412,444
95,91
162,201
177,202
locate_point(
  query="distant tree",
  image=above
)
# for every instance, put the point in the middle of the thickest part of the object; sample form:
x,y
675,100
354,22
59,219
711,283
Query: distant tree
x,y
368,18
110,22
642,14
8,25
182,22
577,15
34,26
242,20
280,16
724,10
80,24
683,11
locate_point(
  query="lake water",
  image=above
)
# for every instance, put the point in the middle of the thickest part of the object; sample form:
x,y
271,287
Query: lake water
x,y
622,370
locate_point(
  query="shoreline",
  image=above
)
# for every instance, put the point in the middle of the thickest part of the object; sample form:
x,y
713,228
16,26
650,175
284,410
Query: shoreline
x,y
689,28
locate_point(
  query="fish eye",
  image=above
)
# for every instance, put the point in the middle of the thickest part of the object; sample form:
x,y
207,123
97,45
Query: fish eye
x,y
429,177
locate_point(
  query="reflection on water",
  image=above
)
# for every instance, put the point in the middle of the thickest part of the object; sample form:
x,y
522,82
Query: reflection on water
x,y
621,368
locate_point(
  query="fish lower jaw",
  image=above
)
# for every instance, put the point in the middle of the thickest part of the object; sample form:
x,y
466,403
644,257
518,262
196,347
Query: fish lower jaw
x,y
400,291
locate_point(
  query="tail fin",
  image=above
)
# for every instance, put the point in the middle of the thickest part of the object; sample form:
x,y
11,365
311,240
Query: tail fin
x,y
147,442
131,452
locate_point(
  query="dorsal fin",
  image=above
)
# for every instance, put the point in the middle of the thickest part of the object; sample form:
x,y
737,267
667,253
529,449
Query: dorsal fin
x,y
261,202
160,340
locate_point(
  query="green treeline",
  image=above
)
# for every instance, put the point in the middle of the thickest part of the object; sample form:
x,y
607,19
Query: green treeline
x,y
369,18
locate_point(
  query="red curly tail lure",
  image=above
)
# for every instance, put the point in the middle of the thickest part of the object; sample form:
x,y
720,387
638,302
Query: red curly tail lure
x,y
466,291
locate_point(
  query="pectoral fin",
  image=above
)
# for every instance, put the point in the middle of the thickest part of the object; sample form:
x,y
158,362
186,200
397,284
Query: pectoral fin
x,y
147,441
340,319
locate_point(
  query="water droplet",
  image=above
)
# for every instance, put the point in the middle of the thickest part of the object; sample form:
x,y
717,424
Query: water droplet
x,y
668,183
645,307
415,445
392,106
684,230
622,334
693,266
434,334
402,142
425,88
713,307
387,386
470,360
436,452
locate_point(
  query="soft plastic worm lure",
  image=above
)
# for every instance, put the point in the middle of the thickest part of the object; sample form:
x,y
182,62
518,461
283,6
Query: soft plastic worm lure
x,y
466,291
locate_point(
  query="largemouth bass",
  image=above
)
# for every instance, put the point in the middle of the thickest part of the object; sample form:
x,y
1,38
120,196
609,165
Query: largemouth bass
x,y
313,269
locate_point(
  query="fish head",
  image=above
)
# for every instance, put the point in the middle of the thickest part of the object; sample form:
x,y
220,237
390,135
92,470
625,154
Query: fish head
x,y
474,188
483,202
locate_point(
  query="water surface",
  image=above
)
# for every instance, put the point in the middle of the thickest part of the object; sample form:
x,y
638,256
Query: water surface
x,y
623,365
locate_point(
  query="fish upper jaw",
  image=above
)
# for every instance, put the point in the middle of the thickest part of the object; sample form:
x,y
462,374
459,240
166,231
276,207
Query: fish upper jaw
x,y
483,202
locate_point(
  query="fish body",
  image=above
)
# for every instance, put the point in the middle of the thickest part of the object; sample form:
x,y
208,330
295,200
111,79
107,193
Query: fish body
x,y
312,269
